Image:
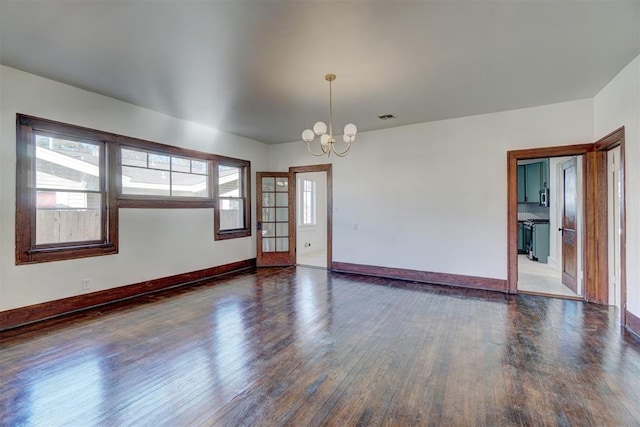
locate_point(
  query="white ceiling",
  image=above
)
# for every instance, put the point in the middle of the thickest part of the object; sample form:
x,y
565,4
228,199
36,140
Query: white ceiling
x,y
256,68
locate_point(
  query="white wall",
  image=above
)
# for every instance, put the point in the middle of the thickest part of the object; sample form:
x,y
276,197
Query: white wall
x,y
433,196
153,242
618,104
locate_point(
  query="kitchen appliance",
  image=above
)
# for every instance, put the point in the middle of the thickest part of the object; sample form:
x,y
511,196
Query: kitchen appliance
x,y
536,237
544,197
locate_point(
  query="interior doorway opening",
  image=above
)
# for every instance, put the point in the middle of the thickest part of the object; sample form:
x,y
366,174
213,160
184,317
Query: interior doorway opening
x,y
595,254
311,219
549,210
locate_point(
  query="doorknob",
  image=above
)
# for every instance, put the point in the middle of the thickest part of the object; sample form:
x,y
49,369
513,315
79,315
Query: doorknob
x,y
560,229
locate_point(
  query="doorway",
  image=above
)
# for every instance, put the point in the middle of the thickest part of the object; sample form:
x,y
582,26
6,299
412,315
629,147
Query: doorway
x,y
594,255
318,237
311,219
550,219
277,217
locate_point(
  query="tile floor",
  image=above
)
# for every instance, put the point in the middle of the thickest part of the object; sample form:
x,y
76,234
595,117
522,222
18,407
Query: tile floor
x,y
540,278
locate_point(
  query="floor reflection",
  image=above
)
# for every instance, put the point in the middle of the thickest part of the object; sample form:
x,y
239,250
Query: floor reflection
x,y
303,346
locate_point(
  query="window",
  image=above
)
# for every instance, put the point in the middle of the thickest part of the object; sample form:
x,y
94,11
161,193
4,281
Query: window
x,y
233,217
65,205
71,181
159,175
308,203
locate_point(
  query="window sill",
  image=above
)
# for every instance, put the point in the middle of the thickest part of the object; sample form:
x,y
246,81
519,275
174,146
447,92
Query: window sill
x,y
34,256
232,234
165,203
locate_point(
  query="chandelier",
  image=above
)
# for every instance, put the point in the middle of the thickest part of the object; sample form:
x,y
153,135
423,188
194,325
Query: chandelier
x,y
327,142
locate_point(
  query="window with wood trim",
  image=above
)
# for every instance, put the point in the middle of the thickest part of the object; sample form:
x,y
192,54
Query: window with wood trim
x,y
65,202
233,216
157,175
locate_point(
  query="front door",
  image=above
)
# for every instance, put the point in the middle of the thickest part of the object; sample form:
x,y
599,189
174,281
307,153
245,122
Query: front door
x,y
275,245
569,222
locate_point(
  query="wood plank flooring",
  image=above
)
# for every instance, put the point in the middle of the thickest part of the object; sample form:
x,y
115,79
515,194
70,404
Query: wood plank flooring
x,y
303,346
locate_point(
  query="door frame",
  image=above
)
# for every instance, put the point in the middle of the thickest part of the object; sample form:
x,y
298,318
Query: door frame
x,y
293,194
594,204
604,145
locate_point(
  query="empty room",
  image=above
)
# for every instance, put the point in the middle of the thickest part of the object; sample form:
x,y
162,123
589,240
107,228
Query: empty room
x,y
349,213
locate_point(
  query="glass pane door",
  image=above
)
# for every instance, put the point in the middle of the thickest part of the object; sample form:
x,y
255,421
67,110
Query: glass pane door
x,y
274,246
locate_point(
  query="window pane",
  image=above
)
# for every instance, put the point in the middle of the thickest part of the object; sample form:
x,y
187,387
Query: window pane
x,y
282,184
268,199
268,184
229,183
269,245
282,244
188,185
63,217
231,214
282,214
187,178
199,167
134,158
67,165
178,164
269,230
147,182
308,203
159,161
268,214
282,199
282,229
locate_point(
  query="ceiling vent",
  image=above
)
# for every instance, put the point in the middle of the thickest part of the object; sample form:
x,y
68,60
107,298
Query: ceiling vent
x,y
386,117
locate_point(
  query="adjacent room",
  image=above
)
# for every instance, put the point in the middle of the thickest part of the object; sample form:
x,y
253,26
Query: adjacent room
x,y
319,213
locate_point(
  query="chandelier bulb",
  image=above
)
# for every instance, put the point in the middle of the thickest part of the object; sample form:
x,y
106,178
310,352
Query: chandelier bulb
x,y
350,130
307,135
320,128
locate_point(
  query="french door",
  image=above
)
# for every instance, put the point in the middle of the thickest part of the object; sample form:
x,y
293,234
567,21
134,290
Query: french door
x,y
275,213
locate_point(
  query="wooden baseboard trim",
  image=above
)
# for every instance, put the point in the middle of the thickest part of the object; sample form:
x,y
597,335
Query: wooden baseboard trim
x,y
498,285
633,324
46,310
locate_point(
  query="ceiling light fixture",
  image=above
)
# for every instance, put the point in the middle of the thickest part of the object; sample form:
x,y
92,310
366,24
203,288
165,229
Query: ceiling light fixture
x,y
326,139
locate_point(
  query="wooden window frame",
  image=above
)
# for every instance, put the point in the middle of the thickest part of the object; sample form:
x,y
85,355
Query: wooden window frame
x,y
246,197
162,202
27,252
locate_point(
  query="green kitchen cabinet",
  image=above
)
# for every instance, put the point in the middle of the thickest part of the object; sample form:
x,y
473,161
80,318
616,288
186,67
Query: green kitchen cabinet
x,y
521,184
532,178
533,182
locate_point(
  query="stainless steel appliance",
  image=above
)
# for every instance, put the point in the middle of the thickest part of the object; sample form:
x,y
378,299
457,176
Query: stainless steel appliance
x,y
544,197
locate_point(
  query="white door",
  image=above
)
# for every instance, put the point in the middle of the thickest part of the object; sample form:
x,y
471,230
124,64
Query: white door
x,y
613,193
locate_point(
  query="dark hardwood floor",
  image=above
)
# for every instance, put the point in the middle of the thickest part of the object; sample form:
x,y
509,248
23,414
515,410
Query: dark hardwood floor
x,y
302,346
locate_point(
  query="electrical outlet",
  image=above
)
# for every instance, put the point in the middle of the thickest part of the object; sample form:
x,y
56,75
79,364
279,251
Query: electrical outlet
x,y
86,284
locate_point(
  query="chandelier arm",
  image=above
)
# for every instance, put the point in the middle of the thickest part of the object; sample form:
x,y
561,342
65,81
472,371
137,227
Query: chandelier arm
x,y
343,153
315,154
